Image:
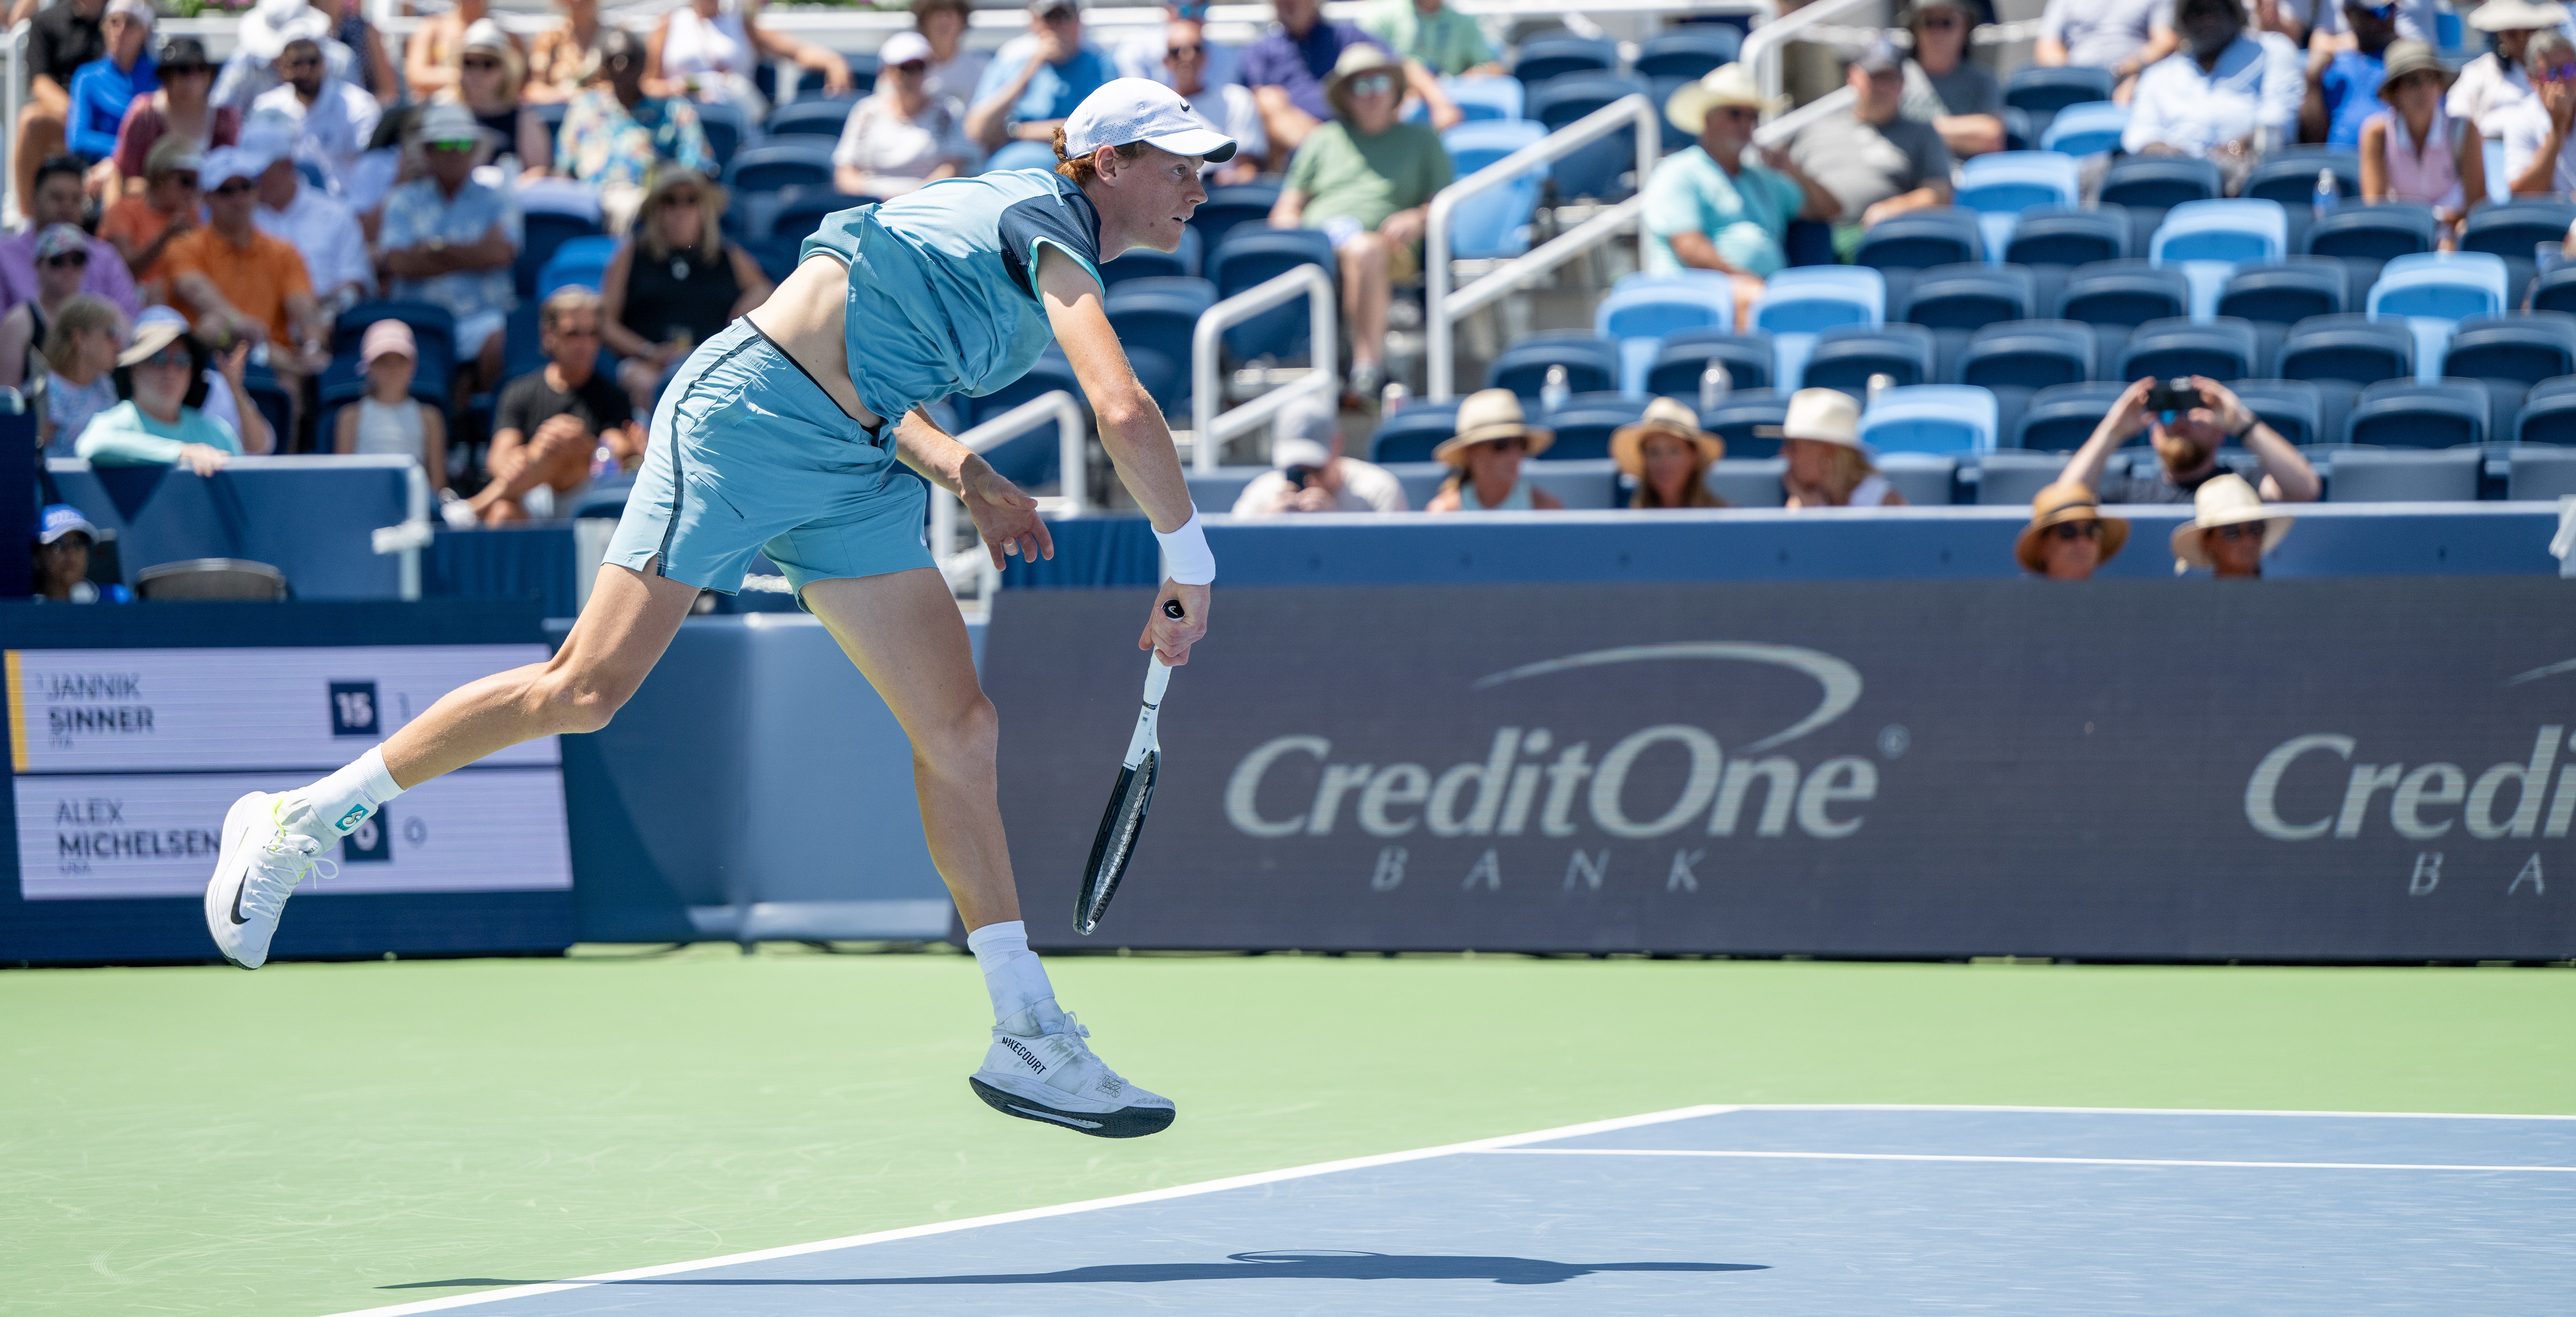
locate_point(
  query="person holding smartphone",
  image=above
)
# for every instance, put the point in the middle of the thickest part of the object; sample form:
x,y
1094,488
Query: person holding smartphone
x,y
2189,421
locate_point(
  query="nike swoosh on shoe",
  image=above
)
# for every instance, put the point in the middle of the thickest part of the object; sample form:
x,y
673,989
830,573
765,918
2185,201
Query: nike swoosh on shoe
x,y
1061,1120
238,916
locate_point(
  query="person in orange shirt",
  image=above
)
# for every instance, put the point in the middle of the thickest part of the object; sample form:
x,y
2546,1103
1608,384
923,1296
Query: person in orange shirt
x,y
235,282
141,227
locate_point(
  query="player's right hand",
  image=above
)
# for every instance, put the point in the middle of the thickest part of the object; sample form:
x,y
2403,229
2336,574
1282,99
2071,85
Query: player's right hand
x,y
1172,636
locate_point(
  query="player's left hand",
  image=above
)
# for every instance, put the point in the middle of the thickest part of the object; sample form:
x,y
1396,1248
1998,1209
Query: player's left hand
x,y
1007,519
1171,636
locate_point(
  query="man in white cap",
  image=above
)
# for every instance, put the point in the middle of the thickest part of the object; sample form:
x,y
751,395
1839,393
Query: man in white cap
x,y
331,119
1309,474
2496,82
318,225
450,241
1708,208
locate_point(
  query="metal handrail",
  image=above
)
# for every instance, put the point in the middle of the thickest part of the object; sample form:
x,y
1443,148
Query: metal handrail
x,y
1209,428
1442,308
1761,50
1073,454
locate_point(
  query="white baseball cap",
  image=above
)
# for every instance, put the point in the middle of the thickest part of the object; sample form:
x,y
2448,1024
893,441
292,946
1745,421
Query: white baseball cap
x,y
904,48
226,163
1141,110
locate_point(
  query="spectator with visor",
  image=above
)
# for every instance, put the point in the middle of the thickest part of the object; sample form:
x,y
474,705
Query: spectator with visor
x,y
1709,208
2187,442
1033,83
2343,85
2540,134
1946,89
2124,36
450,241
2229,98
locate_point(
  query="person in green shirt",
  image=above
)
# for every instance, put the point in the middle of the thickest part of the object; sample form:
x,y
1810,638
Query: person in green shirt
x,y
1366,180
1707,209
1433,35
156,427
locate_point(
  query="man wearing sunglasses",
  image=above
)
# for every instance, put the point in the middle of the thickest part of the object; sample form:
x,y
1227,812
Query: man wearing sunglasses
x,y
2540,134
58,198
237,284
141,227
1286,70
2188,443
1227,107
332,121
450,241
1709,208
2230,98
1145,55
2343,85
1033,83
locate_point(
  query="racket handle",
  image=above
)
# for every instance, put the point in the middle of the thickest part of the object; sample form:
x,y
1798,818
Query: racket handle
x,y
1158,675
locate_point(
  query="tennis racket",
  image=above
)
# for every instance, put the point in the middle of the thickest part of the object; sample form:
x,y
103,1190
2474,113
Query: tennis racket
x,y
1134,794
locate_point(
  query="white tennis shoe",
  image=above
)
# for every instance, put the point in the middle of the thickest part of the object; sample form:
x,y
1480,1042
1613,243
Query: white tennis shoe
x,y
1053,1078
255,871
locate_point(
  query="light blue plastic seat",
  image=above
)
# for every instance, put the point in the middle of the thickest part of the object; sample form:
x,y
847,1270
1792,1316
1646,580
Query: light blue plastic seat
x,y
2089,128
1931,418
1480,99
1805,300
1493,224
2433,292
2209,239
2000,186
1644,309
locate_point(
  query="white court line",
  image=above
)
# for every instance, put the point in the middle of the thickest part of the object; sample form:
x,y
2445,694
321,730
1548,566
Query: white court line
x,y
2142,1111
2038,1161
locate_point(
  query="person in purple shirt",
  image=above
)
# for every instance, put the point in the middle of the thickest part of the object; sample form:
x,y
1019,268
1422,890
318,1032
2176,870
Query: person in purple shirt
x,y
1286,69
57,200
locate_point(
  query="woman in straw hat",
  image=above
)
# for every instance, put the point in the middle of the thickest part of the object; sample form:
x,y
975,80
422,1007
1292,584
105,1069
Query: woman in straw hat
x,y
797,433
2414,150
2068,538
1668,455
1829,466
1485,458
488,77
2231,530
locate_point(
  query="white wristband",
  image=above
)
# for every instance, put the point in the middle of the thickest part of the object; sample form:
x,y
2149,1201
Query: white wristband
x,y
1185,554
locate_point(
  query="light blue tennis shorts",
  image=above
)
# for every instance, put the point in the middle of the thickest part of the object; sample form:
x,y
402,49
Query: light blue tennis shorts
x,y
748,455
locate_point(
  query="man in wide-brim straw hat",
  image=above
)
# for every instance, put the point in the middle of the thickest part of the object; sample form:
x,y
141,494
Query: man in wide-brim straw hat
x,y
1492,441
2231,530
2496,81
1668,455
1707,208
2068,538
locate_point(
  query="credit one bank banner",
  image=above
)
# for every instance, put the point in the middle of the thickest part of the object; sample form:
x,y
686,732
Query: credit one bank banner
x,y
2325,770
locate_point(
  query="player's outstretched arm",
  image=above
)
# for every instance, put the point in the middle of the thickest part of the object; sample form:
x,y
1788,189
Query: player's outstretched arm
x,y
1005,518
1139,443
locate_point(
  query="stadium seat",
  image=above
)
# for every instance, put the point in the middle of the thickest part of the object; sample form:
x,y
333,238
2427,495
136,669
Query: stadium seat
x,y
2060,418
1643,309
1598,168
1688,52
1749,482
771,166
1226,207
1155,321
1846,356
864,69
2295,409
800,211
1030,459
2382,232
2367,476
1924,480
2160,180
1496,223
1254,256
2441,285
1591,364
2555,289
2031,354
726,128
1809,298
2002,185
2069,237
2517,227
817,118
2289,176
1479,99
1742,421
2349,347
576,261
2525,347
2408,414
2008,478
2165,349
1583,426
1968,296
541,233
2050,90
2128,292
2287,291
2549,414
1147,263
1548,58
2209,239
1685,357
1930,418
2540,473
1919,239
1411,434
2086,128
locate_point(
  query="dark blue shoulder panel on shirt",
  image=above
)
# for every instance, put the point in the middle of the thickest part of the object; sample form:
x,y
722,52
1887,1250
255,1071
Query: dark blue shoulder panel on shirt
x,y
1065,217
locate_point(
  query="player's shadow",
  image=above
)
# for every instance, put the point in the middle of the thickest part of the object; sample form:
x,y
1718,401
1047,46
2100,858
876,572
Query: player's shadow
x,y
1280,1265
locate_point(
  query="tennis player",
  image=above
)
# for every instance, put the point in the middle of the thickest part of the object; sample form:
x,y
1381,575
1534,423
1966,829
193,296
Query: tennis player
x,y
782,434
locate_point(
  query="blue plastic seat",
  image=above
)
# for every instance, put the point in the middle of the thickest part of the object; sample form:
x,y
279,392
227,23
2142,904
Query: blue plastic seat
x,y
1231,205
2540,472
2366,476
1591,364
2129,292
1249,257
2349,347
2287,291
1583,426
1495,223
581,261
2412,414
816,118
1147,263
2434,291
2383,232
1919,239
2030,354
2086,128
2525,347
2009,477
1411,434
2231,230
2289,175
541,233
801,211
2041,90
1684,359
1847,356
1969,296
726,127
1642,310
2069,237
1155,321
1694,51
2165,349
2295,409
2548,416
771,166
1029,459
2060,418
1598,168
1479,99
2516,227
2555,290
1808,298
1553,57
1748,420
1930,418
2002,185
2160,181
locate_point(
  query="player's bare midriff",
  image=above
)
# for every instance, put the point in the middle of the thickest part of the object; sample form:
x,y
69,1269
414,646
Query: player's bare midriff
x,y
804,318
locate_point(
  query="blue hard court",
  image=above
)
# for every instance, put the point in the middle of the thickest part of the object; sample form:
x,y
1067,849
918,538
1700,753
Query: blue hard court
x,y
1745,1211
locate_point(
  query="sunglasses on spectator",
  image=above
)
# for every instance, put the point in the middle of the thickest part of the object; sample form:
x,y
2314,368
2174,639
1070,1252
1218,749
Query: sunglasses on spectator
x,y
680,197
186,179
1372,84
72,260
913,66
571,331
2243,530
1190,50
235,188
173,357
2077,530
1942,21
458,147
481,65
1738,112
299,61
2559,73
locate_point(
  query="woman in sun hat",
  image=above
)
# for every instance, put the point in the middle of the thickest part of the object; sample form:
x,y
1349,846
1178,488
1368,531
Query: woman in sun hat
x,y
1668,455
799,432
1829,466
1486,455
2231,530
2068,538
2414,150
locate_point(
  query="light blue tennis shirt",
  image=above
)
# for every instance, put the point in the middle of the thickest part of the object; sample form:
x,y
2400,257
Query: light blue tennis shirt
x,y
943,282
1744,217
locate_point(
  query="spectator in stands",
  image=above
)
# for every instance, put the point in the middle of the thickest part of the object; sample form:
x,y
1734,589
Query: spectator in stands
x,y
317,225
61,38
2417,20
63,539
675,284
1946,89
79,365
2124,36
954,69
1146,54
62,257
450,241
333,120
1707,208
179,109
209,393
1669,457
263,36
1227,107
375,72
1286,70
1486,455
2229,97
488,78
237,284
2413,150
1366,180
614,133
2343,85
429,59
553,422
155,426
2230,531
1433,35
1309,474
561,57
140,227
2068,538
1033,82
2187,444
1874,161
707,50
388,419
57,199
1829,467
2540,134
2495,82
902,136
105,88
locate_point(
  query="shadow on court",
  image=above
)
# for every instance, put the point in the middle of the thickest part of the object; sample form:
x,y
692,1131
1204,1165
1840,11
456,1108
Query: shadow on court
x,y
1284,1265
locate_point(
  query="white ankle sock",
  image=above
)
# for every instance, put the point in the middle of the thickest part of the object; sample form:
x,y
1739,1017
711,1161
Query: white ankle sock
x,y
328,809
1012,974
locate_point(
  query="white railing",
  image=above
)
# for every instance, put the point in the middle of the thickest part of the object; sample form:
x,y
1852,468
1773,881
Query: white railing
x,y
1442,309
1073,464
1209,427
1762,49
412,534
